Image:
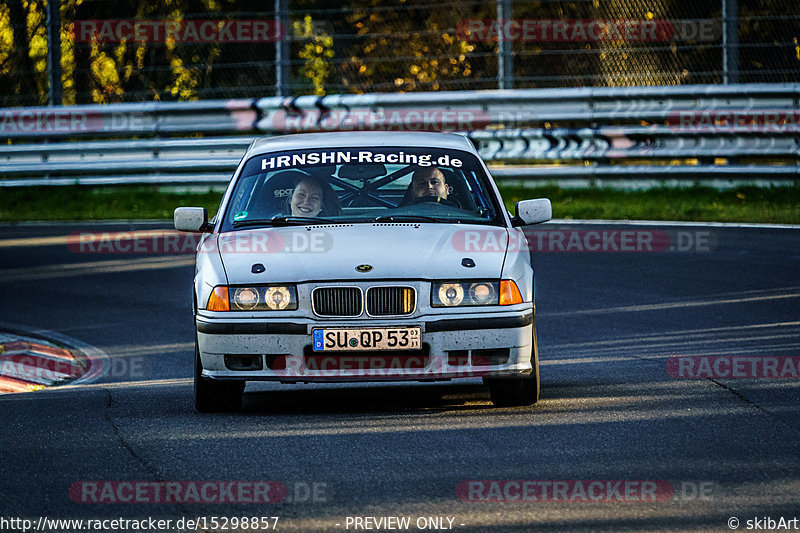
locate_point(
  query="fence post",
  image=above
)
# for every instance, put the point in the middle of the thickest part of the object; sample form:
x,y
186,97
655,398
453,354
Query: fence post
x,y
505,48
730,41
282,71
54,52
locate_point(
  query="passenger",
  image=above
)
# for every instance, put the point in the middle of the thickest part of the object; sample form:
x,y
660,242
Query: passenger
x,y
313,197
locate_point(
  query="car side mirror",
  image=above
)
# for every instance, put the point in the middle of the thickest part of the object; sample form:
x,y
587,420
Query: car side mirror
x,y
192,219
528,212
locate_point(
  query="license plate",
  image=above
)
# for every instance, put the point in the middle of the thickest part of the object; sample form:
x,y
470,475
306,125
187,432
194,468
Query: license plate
x,y
340,340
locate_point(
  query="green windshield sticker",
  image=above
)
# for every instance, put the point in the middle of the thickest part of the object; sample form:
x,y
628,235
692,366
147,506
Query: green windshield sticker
x,y
240,215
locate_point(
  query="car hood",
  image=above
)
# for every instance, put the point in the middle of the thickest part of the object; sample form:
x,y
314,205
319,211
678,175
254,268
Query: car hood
x,y
393,250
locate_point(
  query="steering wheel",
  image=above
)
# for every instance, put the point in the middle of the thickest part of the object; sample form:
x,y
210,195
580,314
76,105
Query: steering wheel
x,y
436,200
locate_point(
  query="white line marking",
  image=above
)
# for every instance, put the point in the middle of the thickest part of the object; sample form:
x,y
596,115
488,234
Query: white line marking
x,y
745,225
672,305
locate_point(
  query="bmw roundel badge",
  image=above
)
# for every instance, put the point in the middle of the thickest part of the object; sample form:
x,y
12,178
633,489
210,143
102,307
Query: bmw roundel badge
x,y
364,268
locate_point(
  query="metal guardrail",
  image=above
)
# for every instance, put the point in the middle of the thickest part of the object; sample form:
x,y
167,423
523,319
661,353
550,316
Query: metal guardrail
x,y
128,120
626,133
588,105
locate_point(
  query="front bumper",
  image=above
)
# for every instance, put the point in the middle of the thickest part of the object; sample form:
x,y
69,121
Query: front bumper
x,y
462,346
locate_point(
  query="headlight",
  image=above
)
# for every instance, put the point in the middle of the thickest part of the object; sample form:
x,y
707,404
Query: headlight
x,y
464,293
245,298
449,294
279,298
483,293
253,298
474,293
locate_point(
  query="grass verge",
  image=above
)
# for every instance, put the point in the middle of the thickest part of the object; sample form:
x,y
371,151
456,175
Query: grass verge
x,y
747,204
99,203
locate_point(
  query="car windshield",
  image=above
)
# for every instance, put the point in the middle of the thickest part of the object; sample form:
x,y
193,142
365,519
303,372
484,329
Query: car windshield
x,y
386,184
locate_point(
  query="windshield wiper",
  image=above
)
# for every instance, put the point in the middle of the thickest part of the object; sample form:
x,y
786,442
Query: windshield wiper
x,y
413,218
251,222
282,221
301,221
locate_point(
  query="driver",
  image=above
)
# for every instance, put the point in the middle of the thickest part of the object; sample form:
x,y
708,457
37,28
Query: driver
x,y
429,182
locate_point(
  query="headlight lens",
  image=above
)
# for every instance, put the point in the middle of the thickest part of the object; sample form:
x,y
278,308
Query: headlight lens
x,y
279,298
253,298
483,293
450,294
245,298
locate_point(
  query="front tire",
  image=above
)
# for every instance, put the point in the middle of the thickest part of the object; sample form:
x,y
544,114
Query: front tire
x,y
214,396
515,391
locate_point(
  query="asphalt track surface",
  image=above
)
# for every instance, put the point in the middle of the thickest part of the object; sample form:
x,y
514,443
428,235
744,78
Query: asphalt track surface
x,y
607,325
